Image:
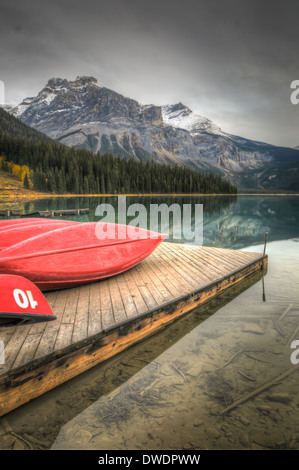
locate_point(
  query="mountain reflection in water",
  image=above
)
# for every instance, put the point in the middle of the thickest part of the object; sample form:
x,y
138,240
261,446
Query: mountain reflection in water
x,y
229,222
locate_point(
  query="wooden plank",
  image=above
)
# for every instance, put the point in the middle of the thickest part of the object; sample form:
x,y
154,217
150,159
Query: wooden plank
x,y
81,320
197,263
13,346
135,293
172,283
212,272
70,309
230,259
178,282
221,263
95,316
145,292
106,306
60,303
157,279
48,339
164,272
179,268
119,311
251,256
192,266
126,296
182,270
57,301
230,256
157,294
27,350
64,336
218,260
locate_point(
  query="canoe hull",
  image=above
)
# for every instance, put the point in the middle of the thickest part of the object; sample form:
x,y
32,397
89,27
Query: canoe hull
x,y
62,270
30,220
11,235
74,255
22,302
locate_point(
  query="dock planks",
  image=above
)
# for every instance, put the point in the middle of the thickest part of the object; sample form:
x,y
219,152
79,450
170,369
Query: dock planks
x,y
96,321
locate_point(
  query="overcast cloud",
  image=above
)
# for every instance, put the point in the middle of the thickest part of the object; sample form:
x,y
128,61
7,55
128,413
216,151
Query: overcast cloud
x,y
230,60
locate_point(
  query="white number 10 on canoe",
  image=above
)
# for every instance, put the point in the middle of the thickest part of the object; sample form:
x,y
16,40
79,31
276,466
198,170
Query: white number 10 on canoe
x,y
23,299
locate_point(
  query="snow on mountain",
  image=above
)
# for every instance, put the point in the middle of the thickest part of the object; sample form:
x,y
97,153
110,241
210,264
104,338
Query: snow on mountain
x,y
182,117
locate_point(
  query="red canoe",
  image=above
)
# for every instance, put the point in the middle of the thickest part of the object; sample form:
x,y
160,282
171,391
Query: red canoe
x,y
78,254
12,235
22,302
14,223
22,221
18,221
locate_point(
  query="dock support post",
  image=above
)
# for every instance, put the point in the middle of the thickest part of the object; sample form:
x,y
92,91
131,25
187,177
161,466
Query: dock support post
x,y
265,244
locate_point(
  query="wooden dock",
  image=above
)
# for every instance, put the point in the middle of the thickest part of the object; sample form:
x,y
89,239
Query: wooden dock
x,y
96,321
64,212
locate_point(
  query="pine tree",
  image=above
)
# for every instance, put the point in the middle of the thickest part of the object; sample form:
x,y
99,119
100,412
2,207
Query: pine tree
x,y
26,181
85,185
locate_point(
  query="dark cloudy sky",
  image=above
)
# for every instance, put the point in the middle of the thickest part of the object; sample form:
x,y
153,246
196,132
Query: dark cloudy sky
x,y
230,60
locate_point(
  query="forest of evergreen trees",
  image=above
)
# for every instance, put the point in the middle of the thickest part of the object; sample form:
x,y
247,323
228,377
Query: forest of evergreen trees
x,y
60,169
48,166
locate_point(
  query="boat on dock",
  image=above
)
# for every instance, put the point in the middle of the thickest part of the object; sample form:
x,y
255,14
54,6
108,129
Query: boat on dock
x,y
12,234
14,223
78,253
21,302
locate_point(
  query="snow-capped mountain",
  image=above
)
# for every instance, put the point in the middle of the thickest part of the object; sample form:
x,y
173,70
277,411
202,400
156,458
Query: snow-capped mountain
x,y
180,116
86,115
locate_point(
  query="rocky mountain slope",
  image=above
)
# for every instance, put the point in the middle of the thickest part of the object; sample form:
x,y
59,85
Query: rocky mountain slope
x,y
83,114
16,128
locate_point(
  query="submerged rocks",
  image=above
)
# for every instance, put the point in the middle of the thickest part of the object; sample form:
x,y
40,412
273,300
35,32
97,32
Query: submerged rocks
x,y
244,440
280,397
252,328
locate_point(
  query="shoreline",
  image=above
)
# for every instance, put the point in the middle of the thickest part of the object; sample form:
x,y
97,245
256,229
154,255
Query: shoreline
x,y
24,198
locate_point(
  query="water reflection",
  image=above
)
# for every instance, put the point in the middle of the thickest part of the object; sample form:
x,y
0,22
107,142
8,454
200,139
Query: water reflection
x,y
231,222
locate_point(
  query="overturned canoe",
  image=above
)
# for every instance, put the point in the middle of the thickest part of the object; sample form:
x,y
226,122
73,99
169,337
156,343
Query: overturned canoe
x,y
22,302
78,254
11,235
18,221
14,223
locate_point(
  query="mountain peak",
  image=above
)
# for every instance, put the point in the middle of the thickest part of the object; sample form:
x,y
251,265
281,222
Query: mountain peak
x,y
178,107
84,80
55,81
180,116
80,81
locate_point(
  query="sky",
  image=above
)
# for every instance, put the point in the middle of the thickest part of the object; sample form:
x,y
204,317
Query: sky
x,y
232,61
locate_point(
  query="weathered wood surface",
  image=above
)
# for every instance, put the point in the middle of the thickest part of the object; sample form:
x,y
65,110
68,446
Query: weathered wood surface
x,y
96,321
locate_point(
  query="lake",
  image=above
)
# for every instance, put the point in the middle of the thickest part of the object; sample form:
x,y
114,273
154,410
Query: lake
x,y
222,377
